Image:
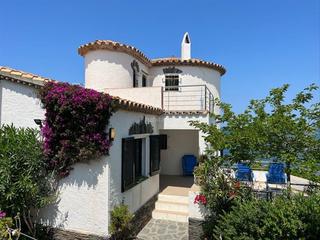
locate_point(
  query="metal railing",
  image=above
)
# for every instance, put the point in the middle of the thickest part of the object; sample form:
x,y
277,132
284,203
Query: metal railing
x,y
275,190
187,98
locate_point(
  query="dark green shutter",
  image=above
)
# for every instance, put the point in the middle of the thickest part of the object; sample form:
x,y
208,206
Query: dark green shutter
x,y
154,154
128,146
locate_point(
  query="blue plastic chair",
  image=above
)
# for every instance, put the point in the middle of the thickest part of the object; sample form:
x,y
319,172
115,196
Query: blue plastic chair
x,y
244,173
188,164
276,174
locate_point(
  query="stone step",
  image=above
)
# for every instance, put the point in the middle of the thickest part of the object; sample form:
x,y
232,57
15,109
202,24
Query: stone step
x,y
173,198
172,206
170,215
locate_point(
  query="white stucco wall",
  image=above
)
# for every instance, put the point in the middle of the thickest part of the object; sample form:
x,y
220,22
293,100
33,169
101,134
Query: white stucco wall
x,y
19,105
89,193
196,210
105,69
82,203
138,195
110,69
181,121
147,95
179,143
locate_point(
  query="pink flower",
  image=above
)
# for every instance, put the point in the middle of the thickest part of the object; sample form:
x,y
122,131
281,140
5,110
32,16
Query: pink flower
x,y
2,214
200,199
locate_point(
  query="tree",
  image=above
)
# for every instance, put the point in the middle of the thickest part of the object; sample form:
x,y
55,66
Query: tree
x,y
270,129
24,182
267,129
291,131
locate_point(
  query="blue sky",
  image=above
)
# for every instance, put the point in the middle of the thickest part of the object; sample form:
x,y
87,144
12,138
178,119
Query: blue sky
x,y
263,44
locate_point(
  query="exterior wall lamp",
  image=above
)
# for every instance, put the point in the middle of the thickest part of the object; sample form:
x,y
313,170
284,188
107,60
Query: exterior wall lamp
x,y
38,122
112,134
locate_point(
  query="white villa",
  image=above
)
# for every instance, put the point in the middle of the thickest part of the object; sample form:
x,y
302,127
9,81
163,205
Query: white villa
x,y
166,93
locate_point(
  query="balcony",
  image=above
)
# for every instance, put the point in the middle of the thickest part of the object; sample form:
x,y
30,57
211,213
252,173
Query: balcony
x,y
187,98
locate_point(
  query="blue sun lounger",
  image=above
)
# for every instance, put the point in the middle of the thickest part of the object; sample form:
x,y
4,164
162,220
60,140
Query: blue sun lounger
x,y
244,172
276,174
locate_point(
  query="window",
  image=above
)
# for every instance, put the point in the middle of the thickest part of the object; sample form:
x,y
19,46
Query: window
x,y
154,154
144,80
163,141
131,162
135,79
138,159
135,71
172,82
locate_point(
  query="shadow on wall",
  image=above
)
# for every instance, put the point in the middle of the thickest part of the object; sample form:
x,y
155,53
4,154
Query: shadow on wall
x,y
85,174
75,191
51,216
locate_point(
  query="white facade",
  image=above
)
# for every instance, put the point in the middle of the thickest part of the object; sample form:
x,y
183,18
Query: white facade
x,y
89,193
193,80
19,105
184,88
114,68
180,142
110,69
148,95
92,189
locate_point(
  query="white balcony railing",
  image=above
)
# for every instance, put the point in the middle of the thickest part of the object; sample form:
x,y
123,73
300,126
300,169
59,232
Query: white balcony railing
x,y
187,98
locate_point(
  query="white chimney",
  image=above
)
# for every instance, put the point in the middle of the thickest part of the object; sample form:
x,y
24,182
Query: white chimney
x,y
186,47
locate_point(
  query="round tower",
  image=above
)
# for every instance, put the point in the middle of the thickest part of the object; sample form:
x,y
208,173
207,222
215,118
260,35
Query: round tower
x,y
110,65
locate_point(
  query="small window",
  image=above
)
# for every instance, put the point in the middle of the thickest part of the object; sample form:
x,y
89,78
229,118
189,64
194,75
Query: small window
x,y
135,79
144,80
135,71
172,82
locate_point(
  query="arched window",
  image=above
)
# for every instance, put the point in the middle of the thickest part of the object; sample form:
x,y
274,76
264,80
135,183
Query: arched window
x,y
135,71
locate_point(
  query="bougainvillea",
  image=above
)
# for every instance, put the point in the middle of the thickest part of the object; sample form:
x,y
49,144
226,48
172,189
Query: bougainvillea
x,y
75,126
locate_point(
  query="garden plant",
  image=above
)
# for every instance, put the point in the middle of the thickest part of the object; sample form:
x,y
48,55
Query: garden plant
x,y
272,128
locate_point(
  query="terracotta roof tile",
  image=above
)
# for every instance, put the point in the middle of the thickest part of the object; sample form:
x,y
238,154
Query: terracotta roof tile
x,y
38,81
26,77
189,62
185,112
116,46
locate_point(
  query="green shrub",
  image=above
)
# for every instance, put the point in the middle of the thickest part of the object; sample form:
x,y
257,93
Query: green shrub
x,y
295,218
24,182
219,188
120,226
309,214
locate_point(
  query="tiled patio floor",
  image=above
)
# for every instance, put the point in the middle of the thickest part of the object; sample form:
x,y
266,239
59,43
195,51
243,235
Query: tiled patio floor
x,y
164,230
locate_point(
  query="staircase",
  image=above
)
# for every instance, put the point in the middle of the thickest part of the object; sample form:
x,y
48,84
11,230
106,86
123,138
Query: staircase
x,y
172,205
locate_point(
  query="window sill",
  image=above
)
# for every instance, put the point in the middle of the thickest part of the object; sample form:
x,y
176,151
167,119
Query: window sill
x,y
137,182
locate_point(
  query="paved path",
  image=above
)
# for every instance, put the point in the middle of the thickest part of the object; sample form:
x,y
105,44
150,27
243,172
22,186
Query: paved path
x,y
164,230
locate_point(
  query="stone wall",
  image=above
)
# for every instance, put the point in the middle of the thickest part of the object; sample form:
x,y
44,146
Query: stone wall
x,y
59,234
143,215
195,229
